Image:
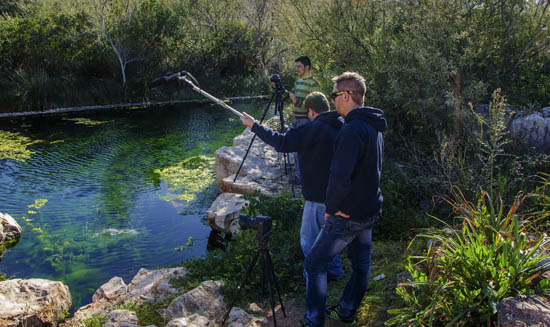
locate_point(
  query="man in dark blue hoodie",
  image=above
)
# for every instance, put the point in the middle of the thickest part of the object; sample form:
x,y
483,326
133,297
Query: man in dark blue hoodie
x,y
353,203
314,143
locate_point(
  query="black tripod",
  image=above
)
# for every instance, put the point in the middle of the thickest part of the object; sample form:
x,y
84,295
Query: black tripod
x,y
277,95
268,274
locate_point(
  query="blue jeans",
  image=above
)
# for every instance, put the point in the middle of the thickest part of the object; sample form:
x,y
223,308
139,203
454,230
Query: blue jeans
x,y
313,220
335,236
295,123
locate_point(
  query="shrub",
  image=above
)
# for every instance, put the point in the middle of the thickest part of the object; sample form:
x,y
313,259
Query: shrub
x,y
467,271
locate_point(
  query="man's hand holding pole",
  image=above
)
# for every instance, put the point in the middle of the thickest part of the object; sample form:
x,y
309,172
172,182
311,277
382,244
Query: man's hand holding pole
x,y
247,120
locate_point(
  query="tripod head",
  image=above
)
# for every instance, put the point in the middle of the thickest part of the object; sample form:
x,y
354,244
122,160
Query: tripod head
x,y
275,80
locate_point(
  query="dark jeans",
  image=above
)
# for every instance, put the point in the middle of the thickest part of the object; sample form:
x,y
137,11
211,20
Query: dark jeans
x,y
336,235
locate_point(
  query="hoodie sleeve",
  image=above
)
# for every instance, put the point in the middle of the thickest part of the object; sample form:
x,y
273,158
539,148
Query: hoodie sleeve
x,y
287,142
346,151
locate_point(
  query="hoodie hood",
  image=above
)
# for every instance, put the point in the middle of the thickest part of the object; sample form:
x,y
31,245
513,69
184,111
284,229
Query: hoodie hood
x,y
371,115
332,118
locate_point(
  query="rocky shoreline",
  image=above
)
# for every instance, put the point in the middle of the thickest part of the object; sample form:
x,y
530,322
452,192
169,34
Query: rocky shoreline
x,y
38,302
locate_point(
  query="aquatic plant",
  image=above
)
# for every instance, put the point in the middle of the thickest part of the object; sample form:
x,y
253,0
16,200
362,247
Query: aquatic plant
x,y
38,203
187,178
86,121
14,146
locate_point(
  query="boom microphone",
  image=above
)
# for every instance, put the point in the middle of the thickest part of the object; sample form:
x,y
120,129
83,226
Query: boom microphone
x,y
183,77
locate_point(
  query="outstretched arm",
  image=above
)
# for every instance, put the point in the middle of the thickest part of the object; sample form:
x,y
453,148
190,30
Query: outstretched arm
x,y
291,141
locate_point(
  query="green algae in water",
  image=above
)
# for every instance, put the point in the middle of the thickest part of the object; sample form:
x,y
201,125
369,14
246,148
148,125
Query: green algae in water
x,y
14,146
38,203
86,121
187,178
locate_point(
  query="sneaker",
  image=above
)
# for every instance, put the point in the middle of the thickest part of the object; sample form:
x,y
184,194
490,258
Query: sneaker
x,y
331,312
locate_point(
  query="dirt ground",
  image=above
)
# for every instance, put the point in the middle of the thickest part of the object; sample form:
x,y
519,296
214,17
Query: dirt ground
x,y
294,313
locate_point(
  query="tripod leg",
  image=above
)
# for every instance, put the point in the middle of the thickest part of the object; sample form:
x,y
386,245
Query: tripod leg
x,y
254,137
265,255
270,267
264,275
248,271
291,176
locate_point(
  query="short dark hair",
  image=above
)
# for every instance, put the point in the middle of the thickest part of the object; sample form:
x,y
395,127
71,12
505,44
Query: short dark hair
x,y
316,101
304,60
351,81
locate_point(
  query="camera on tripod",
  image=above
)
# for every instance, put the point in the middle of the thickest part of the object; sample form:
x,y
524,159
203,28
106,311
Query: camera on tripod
x,y
261,224
276,79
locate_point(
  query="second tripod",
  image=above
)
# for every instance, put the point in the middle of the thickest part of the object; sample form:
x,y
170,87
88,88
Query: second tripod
x,y
263,227
277,98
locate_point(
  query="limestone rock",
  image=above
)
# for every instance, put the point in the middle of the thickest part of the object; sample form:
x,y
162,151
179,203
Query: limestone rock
x,y
524,311
32,302
223,214
533,130
9,229
153,285
240,318
204,300
146,286
114,290
263,169
226,161
546,112
191,321
121,318
88,311
253,307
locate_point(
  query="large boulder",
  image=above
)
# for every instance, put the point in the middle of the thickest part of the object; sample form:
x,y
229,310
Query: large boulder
x,y
524,311
263,169
204,300
223,214
204,307
33,302
146,286
121,318
191,321
532,130
154,285
113,291
9,229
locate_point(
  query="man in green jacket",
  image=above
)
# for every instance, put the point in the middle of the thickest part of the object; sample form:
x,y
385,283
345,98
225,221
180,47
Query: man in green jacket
x,y
304,85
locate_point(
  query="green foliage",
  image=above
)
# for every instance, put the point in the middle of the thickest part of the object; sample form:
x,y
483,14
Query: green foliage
x,y
541,204
229,264
96,320
467,271
401,214
422,59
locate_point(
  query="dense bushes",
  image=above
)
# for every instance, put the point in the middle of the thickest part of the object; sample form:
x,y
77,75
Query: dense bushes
x,y
58,53
424,60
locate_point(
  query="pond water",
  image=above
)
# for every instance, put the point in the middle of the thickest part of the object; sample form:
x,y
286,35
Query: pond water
x,y
103,194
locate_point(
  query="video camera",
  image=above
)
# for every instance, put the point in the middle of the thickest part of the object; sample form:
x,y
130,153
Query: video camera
x,y
276,79
261,224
